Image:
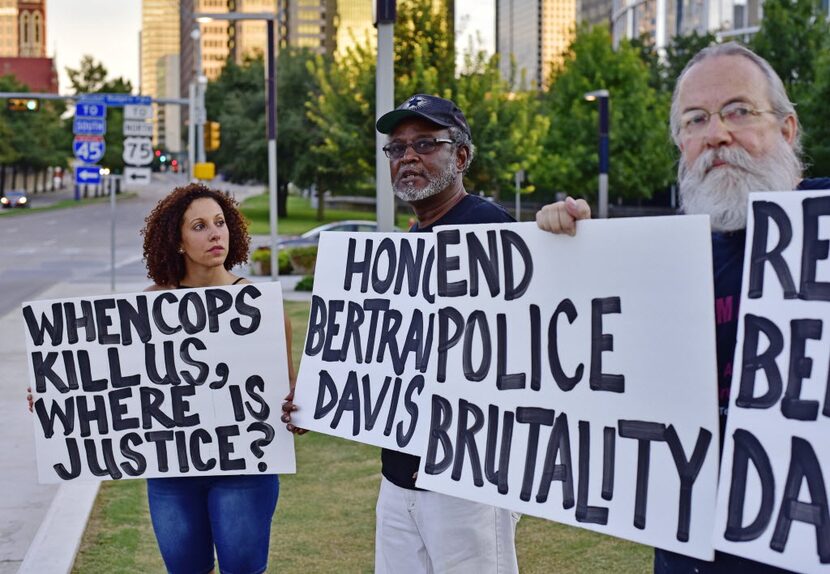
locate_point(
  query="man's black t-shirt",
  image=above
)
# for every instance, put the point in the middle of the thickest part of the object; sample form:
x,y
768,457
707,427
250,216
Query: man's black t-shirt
x,y
728,268
400,468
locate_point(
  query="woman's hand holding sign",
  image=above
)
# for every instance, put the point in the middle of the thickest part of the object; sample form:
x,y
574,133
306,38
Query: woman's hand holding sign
x,y
287,408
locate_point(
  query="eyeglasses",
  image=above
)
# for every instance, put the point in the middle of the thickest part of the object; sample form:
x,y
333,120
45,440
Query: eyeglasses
x,y
425,146
734,116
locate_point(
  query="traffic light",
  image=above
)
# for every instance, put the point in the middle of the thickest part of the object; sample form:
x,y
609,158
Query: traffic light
x,y
212,136
22,104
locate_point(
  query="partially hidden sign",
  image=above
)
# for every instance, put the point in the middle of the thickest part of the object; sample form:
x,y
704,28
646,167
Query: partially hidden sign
x,y
369,349
168,383
772,503
571,378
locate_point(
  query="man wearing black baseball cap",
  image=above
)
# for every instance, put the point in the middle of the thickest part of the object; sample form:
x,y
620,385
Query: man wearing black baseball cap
x,y
429,149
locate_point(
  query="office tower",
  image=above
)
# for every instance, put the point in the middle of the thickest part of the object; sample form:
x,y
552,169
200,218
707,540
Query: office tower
x,y
661,20
534,34
594,11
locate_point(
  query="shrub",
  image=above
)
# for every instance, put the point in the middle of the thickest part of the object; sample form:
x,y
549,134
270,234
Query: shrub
x,y
284,262
303,259
305,284
261,261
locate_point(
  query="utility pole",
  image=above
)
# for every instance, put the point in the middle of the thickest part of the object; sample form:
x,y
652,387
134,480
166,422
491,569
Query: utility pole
x,y
198,85
384,16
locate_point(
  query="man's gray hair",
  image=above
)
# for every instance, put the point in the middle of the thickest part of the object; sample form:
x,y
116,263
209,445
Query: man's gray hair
x,y
463,139
782,107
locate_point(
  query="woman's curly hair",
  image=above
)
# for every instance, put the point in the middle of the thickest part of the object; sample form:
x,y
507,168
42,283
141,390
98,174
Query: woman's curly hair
x,y
163,232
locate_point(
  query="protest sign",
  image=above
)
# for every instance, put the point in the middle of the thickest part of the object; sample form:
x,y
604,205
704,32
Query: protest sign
x,y
367,355
575,376
772,501
167,383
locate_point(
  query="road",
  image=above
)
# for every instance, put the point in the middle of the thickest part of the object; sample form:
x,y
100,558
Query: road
x,y
51,254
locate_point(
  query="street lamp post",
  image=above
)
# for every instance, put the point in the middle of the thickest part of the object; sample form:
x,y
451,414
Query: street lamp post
x,y
270,81
602,97
384,19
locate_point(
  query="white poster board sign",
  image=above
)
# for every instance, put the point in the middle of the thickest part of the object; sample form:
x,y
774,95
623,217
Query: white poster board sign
x,y
367,355
772,503
576,376
167,383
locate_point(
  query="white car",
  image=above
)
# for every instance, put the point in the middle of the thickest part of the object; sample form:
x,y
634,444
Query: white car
x,y
312,236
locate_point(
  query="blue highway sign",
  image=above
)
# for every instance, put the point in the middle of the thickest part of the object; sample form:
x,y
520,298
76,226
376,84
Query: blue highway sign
x,y
84,109
89,126
89,149
87,174
118,100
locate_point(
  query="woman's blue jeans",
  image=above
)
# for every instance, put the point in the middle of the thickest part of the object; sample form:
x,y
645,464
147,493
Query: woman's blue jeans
x,y
192,515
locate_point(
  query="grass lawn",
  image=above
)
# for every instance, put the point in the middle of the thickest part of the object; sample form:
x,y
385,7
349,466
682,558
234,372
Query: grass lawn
x,y
301,216
325,517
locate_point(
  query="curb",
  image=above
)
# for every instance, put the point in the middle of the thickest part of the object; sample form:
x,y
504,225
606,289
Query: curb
x,y
57,540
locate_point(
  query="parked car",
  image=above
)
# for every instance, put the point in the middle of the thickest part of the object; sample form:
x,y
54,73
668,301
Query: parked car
x,y
312,237
14,198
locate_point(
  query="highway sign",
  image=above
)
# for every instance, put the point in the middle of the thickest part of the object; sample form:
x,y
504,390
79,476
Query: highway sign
x,y
138,151
137,175
133,112
90,110
87,174
88,149
89,126
118,100
137,128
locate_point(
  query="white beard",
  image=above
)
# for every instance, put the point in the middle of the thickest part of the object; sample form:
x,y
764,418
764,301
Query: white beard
x,y
409,192
722,193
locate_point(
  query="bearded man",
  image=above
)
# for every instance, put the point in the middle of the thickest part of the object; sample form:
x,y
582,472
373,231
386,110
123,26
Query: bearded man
x,y
737,132
430,149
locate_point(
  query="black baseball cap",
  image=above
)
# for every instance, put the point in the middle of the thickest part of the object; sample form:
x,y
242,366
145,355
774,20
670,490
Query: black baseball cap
x,y
437,110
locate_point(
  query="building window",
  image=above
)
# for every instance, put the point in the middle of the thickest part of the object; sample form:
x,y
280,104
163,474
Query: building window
x,y
24,28
36,28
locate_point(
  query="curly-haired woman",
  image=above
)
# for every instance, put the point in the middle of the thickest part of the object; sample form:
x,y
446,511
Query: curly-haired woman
x,y
193,238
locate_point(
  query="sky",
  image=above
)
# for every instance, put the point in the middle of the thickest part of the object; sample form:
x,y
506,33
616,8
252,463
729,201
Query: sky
x,y
108,30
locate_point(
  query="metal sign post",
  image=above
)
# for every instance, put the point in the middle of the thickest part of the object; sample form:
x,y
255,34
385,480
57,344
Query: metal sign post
x,y
519,178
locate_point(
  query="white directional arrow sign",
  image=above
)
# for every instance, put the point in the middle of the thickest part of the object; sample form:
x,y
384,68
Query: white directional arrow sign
x,y
137,175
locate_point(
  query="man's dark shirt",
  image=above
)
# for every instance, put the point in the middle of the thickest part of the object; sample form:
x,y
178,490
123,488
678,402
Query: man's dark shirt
x,y
728,268
400,468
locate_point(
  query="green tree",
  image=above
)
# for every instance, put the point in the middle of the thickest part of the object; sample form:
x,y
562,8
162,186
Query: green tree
x,y
792,36
680,51
794,40
33,141
424,49
508,126
343,112
664,71
344,108
237,100
641,157
644,45
91,78
815,119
